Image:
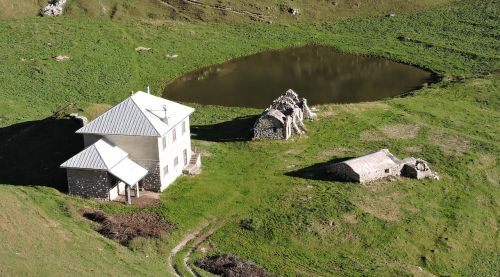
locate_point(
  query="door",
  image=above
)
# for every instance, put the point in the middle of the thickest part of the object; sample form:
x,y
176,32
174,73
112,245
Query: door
x,y
185,153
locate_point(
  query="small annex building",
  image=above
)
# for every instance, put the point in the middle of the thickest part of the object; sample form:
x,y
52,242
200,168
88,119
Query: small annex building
x,y
379,165
144,142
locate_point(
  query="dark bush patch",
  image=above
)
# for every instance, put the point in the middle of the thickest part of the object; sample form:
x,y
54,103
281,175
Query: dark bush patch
x,y
250,224
227,265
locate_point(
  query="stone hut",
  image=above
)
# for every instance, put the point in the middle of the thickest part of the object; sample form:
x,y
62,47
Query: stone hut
x,y
273,124
284,117
379,165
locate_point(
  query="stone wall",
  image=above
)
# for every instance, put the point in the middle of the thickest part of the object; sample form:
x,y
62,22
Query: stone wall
x,y
152,181
343,172
88,183
267,127
379,174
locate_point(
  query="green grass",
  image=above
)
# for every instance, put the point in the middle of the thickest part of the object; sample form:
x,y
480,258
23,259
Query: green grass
x,y
41,238
303,226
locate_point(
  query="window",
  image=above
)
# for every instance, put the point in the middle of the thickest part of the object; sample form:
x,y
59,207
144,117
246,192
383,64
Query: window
x,y
185,154
275,129
174,134
176,161
183,127
165,170
388,170
164,141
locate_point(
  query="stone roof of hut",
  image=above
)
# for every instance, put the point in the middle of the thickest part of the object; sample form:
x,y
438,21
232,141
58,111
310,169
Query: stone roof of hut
x,y
276,114
376,161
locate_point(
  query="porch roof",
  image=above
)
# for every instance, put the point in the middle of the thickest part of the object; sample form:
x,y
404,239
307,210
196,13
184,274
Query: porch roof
x,y
128,171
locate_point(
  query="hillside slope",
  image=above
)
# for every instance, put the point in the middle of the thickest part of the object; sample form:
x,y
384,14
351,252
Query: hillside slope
x,y
302,225
39,238
220,11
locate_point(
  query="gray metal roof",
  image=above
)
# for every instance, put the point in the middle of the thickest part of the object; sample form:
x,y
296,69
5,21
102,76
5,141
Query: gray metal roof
x,y
105,156
100,156
141,114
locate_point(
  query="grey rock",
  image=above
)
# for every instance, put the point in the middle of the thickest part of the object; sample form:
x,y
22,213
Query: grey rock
x,y
54,8
293,11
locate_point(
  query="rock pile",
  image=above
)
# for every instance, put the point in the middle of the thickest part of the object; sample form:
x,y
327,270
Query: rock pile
x,y
283,118
54,8
418,169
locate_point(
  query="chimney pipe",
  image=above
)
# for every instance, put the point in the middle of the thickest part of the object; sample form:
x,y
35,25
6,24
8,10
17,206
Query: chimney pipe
x,y
165,118
148,90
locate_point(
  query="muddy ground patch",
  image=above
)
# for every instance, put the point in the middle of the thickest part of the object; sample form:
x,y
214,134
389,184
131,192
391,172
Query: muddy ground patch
x,y
228,265
125,227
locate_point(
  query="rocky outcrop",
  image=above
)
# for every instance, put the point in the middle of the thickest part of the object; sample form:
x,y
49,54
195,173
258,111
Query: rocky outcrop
x,y
284,117
293,11
54,8
80,118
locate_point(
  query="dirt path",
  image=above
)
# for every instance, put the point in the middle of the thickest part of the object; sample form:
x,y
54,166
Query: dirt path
x,y
199,240
198,236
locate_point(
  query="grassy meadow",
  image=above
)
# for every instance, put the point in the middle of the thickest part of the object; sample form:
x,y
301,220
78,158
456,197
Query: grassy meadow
x,y
303,224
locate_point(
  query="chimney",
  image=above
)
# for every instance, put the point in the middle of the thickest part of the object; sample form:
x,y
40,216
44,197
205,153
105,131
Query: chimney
x,y
148,90
165,117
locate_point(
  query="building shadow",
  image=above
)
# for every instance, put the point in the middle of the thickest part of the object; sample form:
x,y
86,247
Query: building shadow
x,y
238,129
31,152
319,171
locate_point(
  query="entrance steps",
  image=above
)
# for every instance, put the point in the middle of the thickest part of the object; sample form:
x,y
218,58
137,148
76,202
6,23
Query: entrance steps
x,y
194,165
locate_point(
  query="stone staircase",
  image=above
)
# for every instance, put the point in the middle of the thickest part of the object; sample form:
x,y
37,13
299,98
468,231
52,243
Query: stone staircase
x,y
194,165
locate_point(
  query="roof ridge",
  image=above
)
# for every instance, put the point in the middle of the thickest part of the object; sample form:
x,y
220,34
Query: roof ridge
x,y
126,157
144,114
99,153
104,113
113,147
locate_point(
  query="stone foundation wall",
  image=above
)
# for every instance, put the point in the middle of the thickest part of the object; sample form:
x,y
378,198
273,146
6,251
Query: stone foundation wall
x,y
151,181
88,183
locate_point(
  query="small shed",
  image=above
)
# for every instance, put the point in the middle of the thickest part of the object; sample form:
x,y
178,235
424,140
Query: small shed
x,y
103,171
368,168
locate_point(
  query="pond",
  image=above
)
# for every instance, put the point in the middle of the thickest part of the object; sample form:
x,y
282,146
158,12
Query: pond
x,y
320,74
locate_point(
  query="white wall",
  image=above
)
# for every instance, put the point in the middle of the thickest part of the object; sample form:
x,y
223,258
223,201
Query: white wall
x,y
174,149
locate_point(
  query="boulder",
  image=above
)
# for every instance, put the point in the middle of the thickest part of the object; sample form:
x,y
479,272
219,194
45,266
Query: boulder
x,y
54,8
293,11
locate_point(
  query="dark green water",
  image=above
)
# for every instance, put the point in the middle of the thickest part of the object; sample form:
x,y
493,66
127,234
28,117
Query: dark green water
x,y
319,74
